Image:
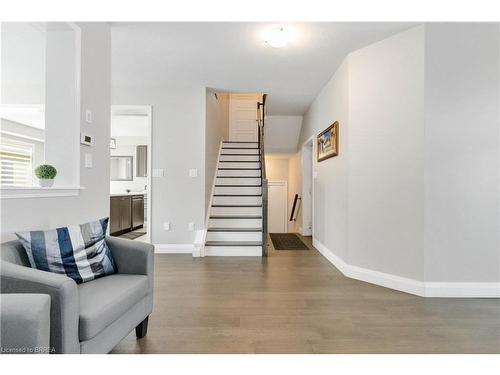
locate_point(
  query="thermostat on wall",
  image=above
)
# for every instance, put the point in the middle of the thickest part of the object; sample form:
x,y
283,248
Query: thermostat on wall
x,y
86,139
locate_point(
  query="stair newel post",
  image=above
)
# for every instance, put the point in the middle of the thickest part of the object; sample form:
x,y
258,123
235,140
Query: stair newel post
x,y
260,123
264,217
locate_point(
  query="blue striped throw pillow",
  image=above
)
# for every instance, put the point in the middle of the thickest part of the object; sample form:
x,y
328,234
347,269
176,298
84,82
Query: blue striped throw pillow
x,y
77,251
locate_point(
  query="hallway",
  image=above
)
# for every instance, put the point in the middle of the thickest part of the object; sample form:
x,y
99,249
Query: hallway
x,y
297,302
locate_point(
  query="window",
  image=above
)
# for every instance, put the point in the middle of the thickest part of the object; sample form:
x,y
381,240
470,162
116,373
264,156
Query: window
x,y
16,160
39,105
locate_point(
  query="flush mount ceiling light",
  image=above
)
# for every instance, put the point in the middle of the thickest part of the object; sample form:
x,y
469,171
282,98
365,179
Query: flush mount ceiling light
x,y
277,37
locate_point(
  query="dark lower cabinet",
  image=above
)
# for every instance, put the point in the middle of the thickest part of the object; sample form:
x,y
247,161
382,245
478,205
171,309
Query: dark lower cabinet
x,y
137,211
126,213
115,223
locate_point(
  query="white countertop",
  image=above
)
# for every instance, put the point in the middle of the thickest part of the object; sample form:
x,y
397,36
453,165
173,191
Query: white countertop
x,y
131,193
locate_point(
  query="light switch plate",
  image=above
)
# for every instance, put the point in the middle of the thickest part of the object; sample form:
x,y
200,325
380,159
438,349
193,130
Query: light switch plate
x,y
193,172
158,172
88,116
88,160
191,226
166,225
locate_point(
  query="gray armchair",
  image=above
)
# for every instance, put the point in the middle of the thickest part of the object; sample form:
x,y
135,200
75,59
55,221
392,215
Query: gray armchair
x,y
94,316
24,323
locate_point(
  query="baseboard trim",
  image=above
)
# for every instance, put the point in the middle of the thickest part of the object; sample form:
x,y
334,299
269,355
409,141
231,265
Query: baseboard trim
x,y
462,290
412,286
174,248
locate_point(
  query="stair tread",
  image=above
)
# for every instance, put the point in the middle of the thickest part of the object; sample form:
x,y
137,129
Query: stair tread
x,y
238,176
239,142
239,169
235,217
238,185
233,243
237,195
221,229
236,205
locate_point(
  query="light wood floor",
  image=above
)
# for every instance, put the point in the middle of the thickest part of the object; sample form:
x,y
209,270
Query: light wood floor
x,y
297,302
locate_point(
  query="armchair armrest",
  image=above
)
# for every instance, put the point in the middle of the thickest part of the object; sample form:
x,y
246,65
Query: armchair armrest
x,y
133,257
64,307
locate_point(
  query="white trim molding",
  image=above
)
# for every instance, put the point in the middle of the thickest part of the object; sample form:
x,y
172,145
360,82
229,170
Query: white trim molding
x,y
181,248
412,286
38,192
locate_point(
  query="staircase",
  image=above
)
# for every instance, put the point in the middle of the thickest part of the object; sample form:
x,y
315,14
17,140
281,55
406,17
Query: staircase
x,y
235,225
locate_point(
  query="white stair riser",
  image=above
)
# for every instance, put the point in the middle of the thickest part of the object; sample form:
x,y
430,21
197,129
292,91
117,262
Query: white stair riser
x,y
231,151
238,181
241,145
232,251
236,211
239,158
237,190
223,164
235,223
239,172
237,200
234,236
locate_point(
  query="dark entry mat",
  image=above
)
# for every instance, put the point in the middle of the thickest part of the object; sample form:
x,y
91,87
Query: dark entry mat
x,y
287,241
132,235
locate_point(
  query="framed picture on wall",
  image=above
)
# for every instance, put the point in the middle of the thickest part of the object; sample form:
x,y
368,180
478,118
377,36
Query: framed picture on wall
x,y
328,142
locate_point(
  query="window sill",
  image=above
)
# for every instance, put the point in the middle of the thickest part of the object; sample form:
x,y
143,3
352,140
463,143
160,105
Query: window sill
x,y
39,192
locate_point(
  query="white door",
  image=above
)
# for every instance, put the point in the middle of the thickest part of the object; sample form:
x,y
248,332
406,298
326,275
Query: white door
x,y
276,207
243,118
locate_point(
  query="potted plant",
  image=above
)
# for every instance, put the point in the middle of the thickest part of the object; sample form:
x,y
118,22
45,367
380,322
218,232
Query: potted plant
x,y
46,174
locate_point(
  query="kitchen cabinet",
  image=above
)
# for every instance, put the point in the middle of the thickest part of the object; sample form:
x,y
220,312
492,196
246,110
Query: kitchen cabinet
x,y
137,211
126,213
142,161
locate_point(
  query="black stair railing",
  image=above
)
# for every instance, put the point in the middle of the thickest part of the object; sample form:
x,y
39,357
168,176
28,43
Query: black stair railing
x,y
261,106
295,207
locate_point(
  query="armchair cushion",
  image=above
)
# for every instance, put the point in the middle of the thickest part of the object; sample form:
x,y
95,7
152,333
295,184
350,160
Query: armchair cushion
x,y
77,251
105,300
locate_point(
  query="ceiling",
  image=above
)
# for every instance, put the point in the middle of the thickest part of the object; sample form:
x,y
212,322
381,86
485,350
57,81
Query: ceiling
x,y
233,57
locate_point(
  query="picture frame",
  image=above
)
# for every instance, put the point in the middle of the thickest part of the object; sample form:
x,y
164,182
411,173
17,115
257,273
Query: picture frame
x,y
327,142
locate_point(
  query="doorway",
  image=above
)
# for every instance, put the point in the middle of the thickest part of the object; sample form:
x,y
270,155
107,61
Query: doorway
x,y
130,172
307,223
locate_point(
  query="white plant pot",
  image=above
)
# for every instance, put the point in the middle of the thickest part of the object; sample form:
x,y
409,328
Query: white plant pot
x,y
46,182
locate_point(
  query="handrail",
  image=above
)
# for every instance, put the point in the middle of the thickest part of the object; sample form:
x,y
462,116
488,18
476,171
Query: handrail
x,y
293,207
261,122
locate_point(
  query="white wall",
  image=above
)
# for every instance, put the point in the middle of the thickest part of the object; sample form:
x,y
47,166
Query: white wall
x,y
216,128
61,105
23,63
178,144
330,186
386,143
282,133
93,201
277,167
461,153
419,133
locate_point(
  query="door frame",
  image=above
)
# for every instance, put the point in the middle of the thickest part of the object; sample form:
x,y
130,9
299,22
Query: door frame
x,y
308,144
280,183
146,110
